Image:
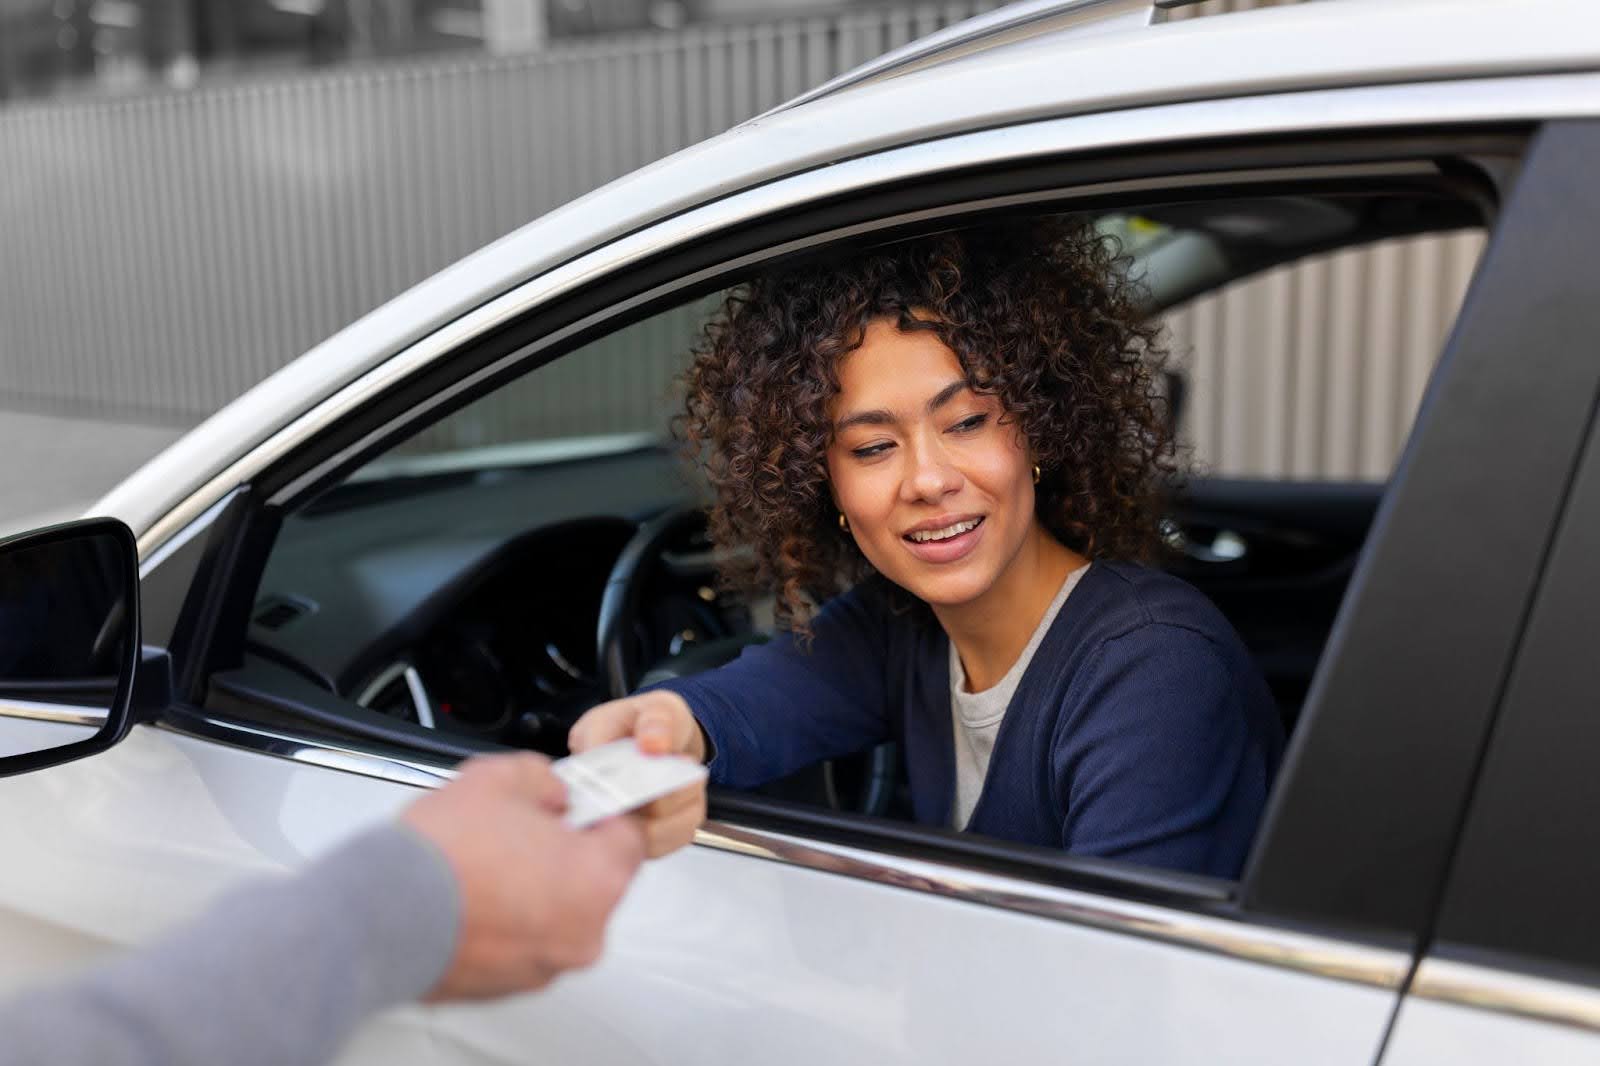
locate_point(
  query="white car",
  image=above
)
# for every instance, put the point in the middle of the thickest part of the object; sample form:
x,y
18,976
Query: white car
x,y
344,589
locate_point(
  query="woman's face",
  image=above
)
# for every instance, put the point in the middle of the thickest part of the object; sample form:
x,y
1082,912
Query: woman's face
x,y
938,493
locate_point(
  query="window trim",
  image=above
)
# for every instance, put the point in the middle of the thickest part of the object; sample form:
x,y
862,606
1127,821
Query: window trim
x,y
1507,985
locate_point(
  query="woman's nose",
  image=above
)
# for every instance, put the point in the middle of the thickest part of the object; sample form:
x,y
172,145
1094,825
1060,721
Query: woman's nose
x,y
931,477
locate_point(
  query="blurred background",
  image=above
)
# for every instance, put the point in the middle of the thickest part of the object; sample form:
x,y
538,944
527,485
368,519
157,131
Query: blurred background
x,y
197,191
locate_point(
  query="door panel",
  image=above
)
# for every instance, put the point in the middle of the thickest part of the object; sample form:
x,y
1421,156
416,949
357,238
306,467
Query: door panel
x,y
714,956
1427,1033
104,853
21,735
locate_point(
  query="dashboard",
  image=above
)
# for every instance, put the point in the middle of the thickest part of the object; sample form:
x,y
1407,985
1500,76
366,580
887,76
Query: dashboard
x,y
468,601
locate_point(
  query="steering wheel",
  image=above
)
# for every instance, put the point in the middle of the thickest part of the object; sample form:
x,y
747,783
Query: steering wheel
x,y
619,638
620,642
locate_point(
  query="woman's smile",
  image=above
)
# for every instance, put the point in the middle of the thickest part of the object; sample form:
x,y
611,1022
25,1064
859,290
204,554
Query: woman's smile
x,y
945,542
934,482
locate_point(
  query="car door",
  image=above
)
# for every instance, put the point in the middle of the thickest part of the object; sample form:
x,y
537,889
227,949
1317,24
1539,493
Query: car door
x,y
790,934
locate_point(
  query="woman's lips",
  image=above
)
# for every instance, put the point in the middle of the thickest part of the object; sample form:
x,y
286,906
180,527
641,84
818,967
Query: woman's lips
x,y
946,551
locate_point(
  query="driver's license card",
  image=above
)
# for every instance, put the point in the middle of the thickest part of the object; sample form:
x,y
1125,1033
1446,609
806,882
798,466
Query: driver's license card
x,y
616,777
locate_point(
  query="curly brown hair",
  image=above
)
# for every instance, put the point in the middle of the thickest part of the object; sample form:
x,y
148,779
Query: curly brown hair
x,y
1041,315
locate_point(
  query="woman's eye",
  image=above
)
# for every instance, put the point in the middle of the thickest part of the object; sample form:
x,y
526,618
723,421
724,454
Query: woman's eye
x,y
967,425
868,451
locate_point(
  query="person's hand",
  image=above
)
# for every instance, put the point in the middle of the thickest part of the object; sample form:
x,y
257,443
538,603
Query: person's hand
x,y
662,724
535,895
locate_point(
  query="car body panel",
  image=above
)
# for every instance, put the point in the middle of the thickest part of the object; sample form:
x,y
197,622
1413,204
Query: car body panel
x,y
1427,1032
1007,24
712,954
123,846
29,734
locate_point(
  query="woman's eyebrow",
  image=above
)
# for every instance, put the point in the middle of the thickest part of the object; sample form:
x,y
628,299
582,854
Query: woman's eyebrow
x,y
880,417
946,394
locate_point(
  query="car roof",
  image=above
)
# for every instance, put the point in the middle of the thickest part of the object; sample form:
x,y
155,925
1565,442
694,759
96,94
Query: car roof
x,y
1054,69
1006,25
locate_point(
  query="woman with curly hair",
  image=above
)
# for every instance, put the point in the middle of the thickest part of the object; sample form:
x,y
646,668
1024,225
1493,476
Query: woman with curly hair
x,y
945,459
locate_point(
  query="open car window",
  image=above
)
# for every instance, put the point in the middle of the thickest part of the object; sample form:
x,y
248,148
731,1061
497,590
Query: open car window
x,y
453,585
1313,370
617,392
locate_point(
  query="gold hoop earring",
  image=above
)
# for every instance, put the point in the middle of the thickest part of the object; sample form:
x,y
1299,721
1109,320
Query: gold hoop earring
x,y
844,523
1035,473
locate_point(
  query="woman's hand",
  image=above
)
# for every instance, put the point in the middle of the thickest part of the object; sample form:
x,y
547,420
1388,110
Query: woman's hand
x,y
662,724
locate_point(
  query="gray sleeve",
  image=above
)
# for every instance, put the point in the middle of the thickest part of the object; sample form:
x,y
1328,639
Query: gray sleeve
x,y
277,972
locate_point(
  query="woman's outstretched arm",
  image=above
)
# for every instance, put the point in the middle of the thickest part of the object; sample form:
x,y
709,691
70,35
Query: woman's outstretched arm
x,y
775,709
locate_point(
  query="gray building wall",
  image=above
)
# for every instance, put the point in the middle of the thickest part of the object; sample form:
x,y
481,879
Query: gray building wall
x,y
164,252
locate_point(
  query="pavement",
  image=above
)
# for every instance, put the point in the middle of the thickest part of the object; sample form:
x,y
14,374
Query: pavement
x,y
52,466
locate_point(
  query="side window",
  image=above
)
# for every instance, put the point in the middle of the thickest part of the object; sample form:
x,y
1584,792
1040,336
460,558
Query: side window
x,y
455,583
1299,385
1312,371
622,384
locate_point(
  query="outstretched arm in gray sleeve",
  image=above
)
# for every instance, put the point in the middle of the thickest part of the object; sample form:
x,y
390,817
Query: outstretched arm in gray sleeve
x,y
275,973
480,890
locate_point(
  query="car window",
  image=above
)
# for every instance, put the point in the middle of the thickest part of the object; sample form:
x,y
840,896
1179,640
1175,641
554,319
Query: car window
x,y
455,583
1300,384
1314,370
620,385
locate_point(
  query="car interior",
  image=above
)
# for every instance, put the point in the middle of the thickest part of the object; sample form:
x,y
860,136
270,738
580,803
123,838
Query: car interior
x,y
543,549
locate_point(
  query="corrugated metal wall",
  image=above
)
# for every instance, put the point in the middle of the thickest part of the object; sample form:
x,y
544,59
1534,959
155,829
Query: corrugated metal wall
x,y
165,252
1316,370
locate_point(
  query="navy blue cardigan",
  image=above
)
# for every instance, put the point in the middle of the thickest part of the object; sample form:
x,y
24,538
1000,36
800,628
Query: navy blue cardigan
x,y
1140,731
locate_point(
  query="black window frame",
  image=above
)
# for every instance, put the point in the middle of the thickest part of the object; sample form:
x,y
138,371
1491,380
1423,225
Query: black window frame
x,y
1521,888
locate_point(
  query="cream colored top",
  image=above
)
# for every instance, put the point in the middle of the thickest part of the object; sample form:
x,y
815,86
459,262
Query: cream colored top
x,y
977,715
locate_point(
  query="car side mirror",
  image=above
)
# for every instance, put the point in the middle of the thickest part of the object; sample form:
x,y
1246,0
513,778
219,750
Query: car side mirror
x,y
69,642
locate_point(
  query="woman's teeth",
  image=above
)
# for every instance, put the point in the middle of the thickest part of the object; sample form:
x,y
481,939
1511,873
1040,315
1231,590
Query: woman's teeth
x,y
946,533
